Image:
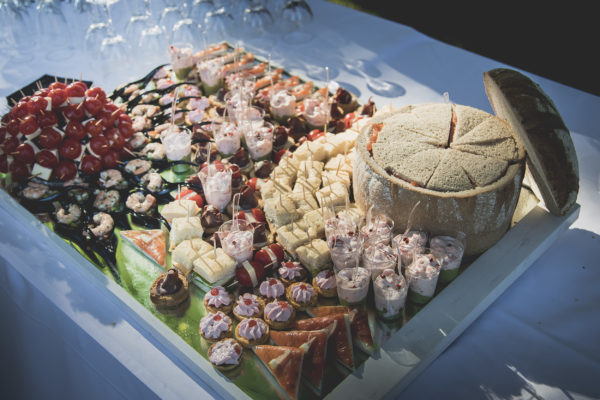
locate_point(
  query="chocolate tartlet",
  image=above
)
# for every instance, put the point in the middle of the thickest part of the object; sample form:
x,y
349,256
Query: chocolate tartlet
x,y
170,293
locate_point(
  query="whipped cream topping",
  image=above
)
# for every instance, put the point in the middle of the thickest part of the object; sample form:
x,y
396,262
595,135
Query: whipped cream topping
x,y
238,244
448,250
378,230
279,311
247,305
259,140
302,293
217,186
424,266
351,278
181,58
217,297
252,328
283,104
210,72
390,291
214,324
290,270
271,288
225,352
389,280
325,279
177,145
316,111
227,138
413,239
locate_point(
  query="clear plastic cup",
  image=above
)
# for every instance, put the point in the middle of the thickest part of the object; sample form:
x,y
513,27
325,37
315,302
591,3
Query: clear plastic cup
x,y
379,257
352,285
216,184
422,275
378,230
389,291
181,56
345,250
227,138
259,140
406,245
448,249
237,239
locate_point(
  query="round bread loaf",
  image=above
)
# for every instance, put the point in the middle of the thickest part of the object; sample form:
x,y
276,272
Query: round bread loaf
x,y
551,156
462,164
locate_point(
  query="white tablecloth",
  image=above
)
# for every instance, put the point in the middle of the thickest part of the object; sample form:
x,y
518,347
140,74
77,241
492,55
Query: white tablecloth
x,y
61,338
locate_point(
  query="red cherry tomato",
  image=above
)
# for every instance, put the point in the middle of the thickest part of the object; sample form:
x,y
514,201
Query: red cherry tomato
x,y
19,111
36,104
58,96
3,132
123,118
348,118
10,144
126,130
28,125
76,90
47,119
96,93
81,84
93,127
75,130
93,106
74,112
46,158
315,134
12,127
65,170
70,149
189,194
100,145
57,85
90,164
18,170
49,138
24,153
111,108
110,159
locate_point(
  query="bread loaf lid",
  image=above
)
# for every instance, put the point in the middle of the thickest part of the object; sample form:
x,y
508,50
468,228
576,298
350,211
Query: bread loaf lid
x,y
551,156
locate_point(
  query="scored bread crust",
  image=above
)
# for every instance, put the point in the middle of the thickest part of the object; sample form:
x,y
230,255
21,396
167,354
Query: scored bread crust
x,y
484,213
551,156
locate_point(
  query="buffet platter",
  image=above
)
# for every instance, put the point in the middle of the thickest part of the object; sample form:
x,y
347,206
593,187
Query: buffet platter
x,y
400,348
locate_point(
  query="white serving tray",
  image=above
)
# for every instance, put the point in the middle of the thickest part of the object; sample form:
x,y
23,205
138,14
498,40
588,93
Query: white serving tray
x,y
408,352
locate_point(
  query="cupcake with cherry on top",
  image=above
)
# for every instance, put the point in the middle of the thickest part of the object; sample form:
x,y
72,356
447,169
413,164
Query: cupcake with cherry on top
x,y
279,314
252,331
225,354
248,306
301,295
215,326
324,284
218,299
291,272
272,289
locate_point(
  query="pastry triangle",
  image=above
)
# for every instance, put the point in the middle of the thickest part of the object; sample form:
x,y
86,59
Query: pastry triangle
x,y
285,364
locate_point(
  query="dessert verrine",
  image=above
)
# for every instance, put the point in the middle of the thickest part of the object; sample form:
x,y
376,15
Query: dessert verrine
x,y
406,243
422,276
352,285
389,290
448,250
379,257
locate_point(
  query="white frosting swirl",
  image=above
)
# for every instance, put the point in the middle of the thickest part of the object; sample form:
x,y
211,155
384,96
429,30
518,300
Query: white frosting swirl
x,y
290,270
214,324
225,352
302,293
279,311
217,297
325,279
271,288
252,328
247,305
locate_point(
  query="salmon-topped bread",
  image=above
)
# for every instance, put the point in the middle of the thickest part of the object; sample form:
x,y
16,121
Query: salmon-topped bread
x,y
341,335
314,345
285,365
152,243
359,324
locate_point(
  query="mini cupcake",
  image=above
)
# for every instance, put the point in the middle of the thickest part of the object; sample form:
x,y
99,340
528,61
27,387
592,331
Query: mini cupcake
x,y
225,354
170,293
218,299
324,283
252,331
301,295
279,314
215,326
291,272
272,289
249,306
